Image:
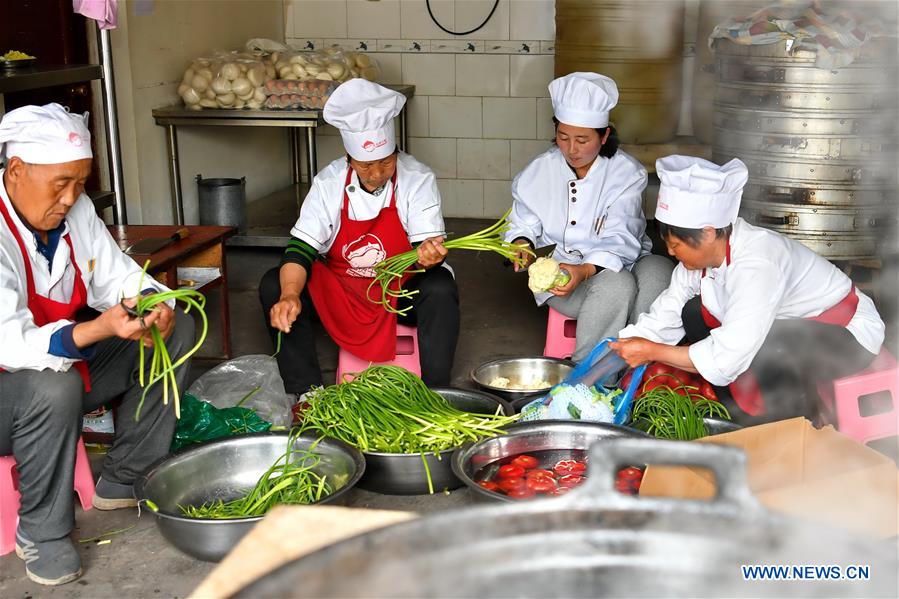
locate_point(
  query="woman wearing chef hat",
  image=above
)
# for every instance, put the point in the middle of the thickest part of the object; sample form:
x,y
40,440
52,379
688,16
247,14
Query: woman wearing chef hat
x,y
762,313
374,203
585,197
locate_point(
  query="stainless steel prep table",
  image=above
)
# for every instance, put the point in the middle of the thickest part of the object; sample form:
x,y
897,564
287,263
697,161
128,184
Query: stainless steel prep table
x,y
268,218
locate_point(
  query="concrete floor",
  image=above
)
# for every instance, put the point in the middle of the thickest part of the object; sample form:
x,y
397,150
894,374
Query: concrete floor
x,y
499,319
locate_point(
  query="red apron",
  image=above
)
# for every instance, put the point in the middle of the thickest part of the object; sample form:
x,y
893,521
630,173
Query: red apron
x,y
43,309
745,389
339,285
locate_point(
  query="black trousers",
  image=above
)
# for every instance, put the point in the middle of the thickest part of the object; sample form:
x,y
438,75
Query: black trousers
x,y
435,311
796,356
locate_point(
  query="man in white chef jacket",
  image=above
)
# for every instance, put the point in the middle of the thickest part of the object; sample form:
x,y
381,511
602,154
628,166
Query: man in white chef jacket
x,y
57,257
371,204
763,315
585,197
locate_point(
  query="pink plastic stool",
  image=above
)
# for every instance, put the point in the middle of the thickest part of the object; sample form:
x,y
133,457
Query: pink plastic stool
x,y
842,400
406,355
9,494
560,335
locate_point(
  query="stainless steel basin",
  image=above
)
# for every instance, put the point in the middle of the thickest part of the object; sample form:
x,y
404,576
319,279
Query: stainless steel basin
x,y
404,473
561,436
225,469
551,370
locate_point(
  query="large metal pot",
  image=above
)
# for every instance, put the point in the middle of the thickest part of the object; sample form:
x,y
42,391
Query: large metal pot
x,y
592,542
404,474
224,469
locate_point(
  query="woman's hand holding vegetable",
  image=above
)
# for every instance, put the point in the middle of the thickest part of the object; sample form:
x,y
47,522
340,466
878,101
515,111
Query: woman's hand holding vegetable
x,y
285,312
579,273
431,252
525,257
637,350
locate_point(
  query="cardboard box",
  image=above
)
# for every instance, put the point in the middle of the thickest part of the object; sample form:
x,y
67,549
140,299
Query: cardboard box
x,y
797,470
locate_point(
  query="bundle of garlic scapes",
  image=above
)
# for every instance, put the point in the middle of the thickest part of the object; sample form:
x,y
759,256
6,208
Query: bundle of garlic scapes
x,y
390,272
161,366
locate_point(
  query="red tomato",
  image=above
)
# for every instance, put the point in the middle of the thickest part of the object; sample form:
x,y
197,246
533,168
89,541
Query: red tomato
x,y
559,491
707,391
565,466
521,493
511,484
510,471
630,474
578,467
571,480
541,484
626,380
526,461
622,486
489,485
540,472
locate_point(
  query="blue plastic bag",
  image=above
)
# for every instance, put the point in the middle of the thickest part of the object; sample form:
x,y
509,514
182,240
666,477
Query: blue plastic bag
x,y
601,369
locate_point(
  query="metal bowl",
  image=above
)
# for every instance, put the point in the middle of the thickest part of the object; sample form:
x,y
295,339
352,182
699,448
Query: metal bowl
x,y
552,370
13,65
530,437
716,426
224,469
404,473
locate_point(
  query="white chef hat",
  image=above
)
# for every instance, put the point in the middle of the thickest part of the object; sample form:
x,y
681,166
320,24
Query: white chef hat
x,y
364,113
696,193
47,134
583,99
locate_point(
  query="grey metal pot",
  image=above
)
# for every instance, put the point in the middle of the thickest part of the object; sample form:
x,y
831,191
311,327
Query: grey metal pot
x,y
404,474
592,542
223,469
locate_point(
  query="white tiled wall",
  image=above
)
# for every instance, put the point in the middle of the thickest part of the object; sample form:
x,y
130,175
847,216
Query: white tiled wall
x,y
481,109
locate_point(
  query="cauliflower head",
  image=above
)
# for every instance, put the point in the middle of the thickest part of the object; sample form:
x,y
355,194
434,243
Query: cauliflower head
x,y
545,273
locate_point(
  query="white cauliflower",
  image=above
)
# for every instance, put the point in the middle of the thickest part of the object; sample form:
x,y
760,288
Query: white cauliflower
x,y
545,273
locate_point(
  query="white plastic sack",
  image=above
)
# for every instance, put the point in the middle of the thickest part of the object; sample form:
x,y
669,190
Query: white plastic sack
x,y
229,382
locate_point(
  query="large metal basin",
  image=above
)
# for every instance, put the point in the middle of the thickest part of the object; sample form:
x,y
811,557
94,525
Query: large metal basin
x,y
560,436
225,469
404,473
552,370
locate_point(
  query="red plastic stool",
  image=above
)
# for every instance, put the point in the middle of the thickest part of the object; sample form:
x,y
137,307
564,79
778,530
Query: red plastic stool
x,y
9,494
842,400
406,355
560,335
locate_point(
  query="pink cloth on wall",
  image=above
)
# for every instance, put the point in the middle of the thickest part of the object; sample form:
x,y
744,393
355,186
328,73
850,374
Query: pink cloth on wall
x,y
105,12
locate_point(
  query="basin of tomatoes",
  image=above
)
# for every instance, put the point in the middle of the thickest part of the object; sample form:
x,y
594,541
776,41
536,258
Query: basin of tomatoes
x,y
525,476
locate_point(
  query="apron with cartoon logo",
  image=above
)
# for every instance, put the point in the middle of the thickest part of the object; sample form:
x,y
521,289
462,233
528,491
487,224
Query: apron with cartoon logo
x,y
339,285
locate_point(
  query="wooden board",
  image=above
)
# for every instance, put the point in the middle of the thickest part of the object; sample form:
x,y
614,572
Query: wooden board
x,y
286,533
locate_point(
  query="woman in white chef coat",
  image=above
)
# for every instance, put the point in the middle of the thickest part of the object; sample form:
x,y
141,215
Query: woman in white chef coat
x,y
585,197
762,313
374,203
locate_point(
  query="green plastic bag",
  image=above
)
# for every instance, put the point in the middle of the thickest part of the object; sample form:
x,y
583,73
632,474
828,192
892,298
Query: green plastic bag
x,y
201,421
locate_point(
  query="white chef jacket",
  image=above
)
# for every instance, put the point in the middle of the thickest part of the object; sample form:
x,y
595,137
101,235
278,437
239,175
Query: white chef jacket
x,y
107,272
769,277
418,203
596,220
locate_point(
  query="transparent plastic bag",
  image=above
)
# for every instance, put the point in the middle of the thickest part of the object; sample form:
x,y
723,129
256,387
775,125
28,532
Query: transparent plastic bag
x,y
256,376
601,370
225,80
